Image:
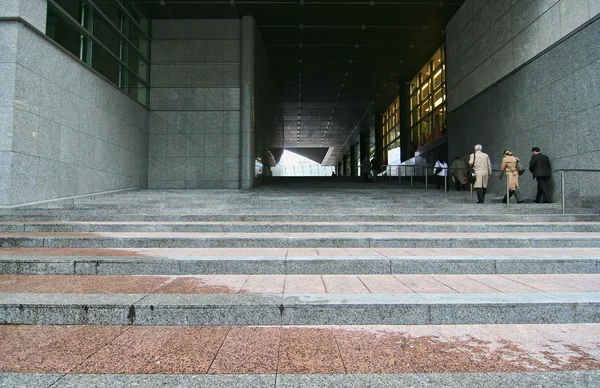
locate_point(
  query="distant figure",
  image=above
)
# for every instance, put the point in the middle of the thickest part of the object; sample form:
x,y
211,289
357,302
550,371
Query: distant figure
x,y
376,165
509,166
459,173
539,166
365,167
441,173
333,173
483,169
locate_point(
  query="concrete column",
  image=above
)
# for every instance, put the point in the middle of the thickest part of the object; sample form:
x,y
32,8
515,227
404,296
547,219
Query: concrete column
x,y
32,11
405,121
247,77
378,137
364,142
354,160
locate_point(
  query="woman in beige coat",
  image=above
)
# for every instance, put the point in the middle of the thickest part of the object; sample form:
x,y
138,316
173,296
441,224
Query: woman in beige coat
x,y
509,166
483,169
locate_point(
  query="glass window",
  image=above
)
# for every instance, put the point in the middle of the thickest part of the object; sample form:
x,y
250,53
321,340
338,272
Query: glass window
x,y
107,65
138,40
137,89
390,124
72,7
138,65
106,35
428,103
111,10
64,32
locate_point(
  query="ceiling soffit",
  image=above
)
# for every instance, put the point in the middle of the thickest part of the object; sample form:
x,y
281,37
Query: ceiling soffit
x,y
336,63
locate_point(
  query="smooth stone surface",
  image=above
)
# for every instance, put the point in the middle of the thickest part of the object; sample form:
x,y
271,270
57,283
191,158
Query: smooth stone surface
x,y
151,381
466,380
11,380
490,379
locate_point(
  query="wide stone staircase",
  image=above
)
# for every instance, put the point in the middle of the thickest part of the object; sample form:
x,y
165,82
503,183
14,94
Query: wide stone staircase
x,y
304,282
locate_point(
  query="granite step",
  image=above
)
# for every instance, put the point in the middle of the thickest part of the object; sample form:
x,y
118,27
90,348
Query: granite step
x,y
299,227
284,285
44,216
299,309
299,299
559,379
298,240
174,264
310,208
299,356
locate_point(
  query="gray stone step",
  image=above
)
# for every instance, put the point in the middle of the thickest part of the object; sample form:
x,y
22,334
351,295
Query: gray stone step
x,y
308,208
300,227
185,265
550,379
300,309
301,240
45,216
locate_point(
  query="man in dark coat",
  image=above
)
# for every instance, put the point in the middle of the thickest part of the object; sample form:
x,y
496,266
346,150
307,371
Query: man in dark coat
x,y
539,166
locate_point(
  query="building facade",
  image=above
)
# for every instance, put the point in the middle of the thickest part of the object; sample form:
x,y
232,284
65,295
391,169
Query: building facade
x,y
98,98
524,73
83,111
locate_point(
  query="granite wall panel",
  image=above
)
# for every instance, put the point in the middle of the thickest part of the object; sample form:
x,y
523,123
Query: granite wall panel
x,y
195,84
553,103
510,33
68,131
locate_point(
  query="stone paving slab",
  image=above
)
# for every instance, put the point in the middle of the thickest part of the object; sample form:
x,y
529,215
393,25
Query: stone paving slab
x,y
398,351
298,284
299,309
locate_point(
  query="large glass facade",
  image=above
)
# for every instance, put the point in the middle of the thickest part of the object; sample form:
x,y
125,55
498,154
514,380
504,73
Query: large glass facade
x,y
111,36
390,126
428,102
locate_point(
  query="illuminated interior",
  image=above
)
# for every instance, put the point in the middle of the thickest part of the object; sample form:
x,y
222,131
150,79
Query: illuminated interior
x,y
428,102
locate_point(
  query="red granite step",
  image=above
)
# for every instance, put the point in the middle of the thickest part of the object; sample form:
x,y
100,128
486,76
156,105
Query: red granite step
x,y
297,284
299,349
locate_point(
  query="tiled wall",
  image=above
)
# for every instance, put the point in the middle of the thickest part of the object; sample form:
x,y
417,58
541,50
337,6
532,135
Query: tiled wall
x,y
64,129
553,103
488,39
195,104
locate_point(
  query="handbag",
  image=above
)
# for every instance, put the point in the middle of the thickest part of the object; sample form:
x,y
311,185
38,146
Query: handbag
x,y
471,177
520,167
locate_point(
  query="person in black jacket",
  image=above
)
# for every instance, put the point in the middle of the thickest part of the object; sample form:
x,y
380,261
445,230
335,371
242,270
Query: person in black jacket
x,y
539,166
